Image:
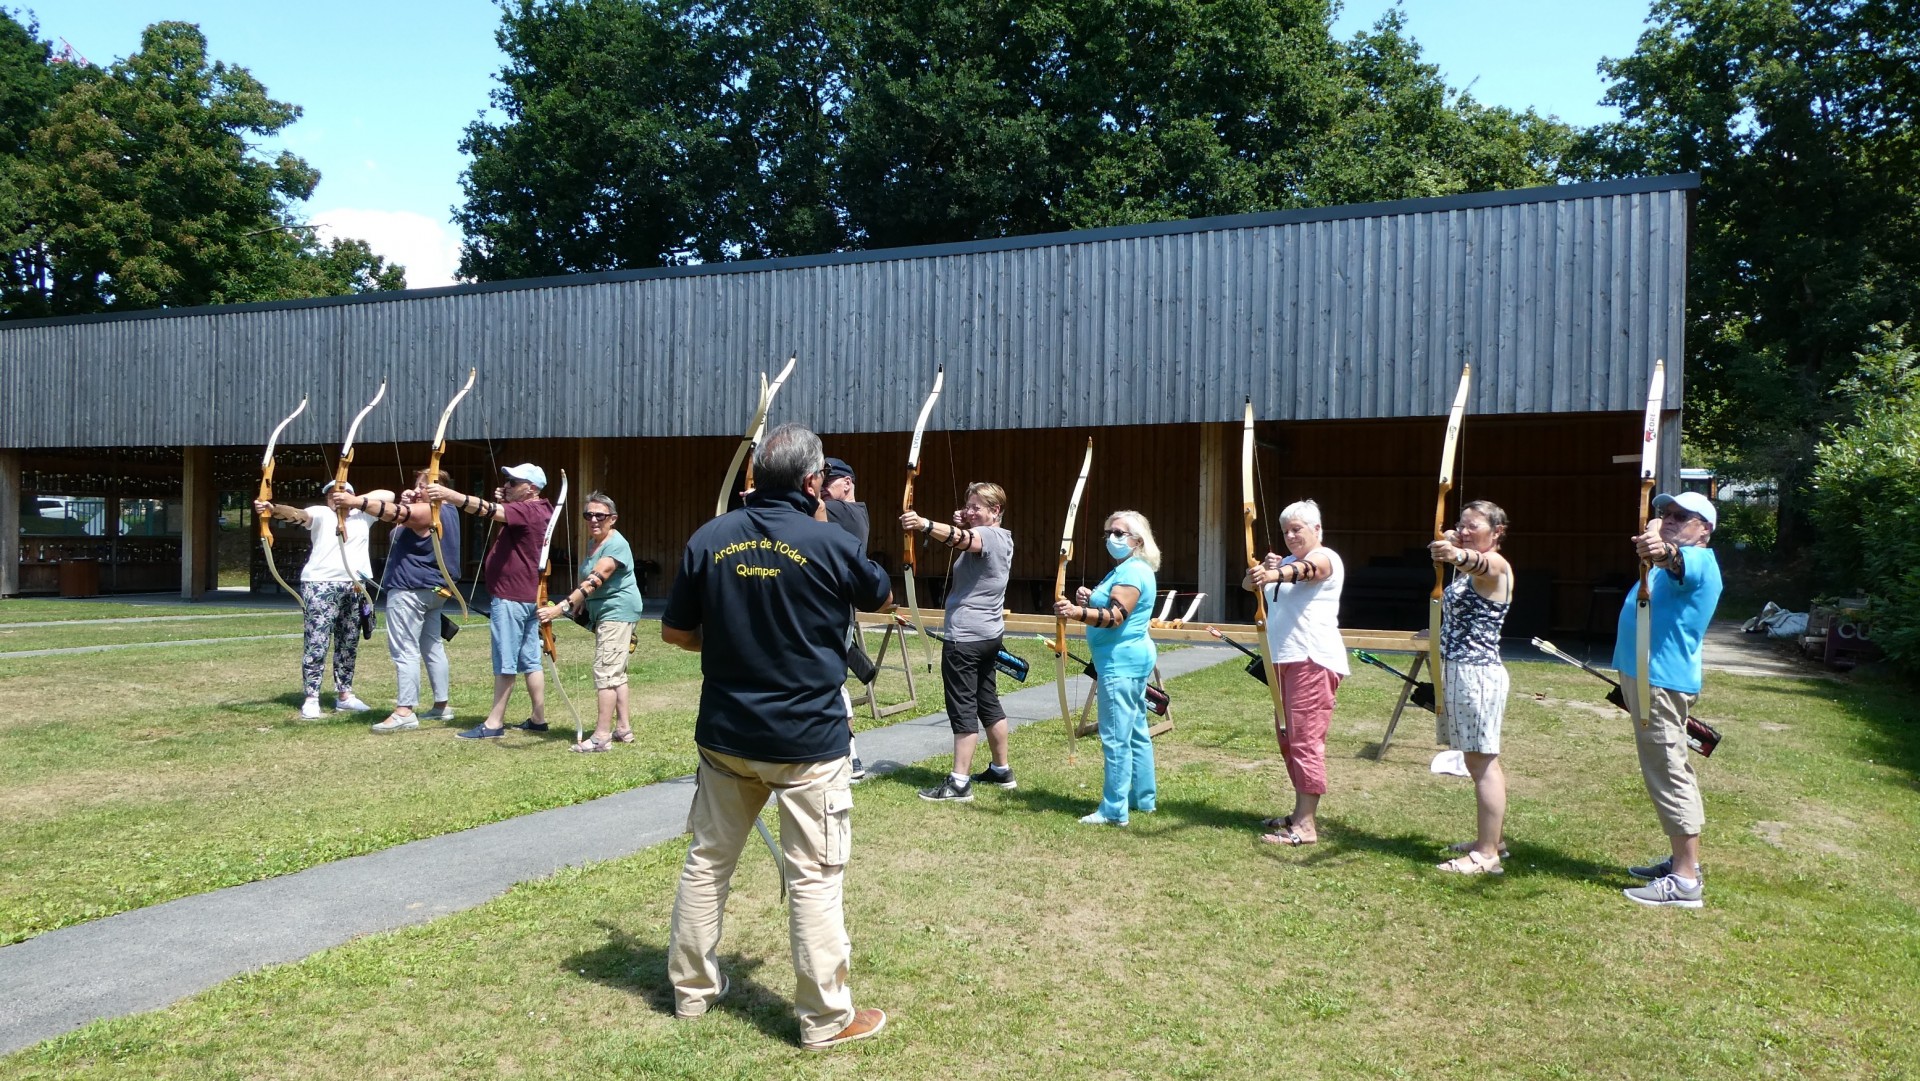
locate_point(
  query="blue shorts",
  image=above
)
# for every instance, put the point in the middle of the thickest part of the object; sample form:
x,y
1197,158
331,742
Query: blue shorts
x,y
516,637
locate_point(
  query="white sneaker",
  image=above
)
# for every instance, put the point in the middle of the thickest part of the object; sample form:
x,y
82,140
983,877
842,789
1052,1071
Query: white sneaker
x,y
350,703
444,713
397,723
310,709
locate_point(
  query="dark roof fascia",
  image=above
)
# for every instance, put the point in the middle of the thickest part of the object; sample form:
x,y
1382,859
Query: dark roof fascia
x,y
1431,205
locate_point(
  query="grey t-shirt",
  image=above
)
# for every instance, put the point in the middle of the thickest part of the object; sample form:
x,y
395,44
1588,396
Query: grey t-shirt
x,y
977,591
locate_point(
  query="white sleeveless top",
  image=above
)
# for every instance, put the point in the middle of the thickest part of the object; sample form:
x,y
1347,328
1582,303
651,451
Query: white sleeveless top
x,y
1303,618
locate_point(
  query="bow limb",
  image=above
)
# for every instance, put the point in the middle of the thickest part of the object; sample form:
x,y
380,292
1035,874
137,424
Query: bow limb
x,y
346,459
745,448
1643,603
1250,513
266,496
1060,594
547,644
433,477
1436,599
909,559
759,430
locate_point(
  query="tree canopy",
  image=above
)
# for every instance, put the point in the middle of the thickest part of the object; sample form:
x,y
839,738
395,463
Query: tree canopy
x,y
638,133
1800,117
133,186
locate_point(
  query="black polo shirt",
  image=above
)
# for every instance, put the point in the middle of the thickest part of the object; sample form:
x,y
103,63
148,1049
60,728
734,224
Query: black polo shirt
x,y
851,517
768,588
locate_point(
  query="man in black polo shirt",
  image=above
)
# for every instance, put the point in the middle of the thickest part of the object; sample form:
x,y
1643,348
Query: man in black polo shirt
x,y
762,595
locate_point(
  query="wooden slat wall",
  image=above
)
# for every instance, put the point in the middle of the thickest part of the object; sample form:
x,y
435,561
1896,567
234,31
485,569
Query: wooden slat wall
x,y
1571,505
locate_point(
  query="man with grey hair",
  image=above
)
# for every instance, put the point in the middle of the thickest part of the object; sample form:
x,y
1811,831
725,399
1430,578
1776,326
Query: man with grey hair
x,y
762,594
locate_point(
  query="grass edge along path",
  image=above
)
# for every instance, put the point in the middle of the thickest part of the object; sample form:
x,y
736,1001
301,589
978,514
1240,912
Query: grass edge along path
x,y
148,957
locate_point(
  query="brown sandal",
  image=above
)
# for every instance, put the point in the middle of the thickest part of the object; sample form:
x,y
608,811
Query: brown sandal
x,y
1289,837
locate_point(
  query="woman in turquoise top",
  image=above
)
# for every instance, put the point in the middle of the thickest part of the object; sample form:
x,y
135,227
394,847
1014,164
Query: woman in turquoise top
x,y
611,596
1116,613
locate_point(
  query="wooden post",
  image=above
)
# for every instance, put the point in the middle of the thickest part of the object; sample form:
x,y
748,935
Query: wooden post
x,y
1211,572
198,538
10,494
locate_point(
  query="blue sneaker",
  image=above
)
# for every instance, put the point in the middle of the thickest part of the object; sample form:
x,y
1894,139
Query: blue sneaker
x,y
481,731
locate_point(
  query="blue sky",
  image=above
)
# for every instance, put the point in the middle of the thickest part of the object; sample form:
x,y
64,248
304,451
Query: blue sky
x,y
388,87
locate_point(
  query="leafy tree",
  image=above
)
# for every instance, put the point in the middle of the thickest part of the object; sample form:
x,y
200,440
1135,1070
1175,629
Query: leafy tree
x,y
649,132
136,189
1800,115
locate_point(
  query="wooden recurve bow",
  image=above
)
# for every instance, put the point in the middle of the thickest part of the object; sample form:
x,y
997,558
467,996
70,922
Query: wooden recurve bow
x,y
340,482
547,643
757,427
266,496
433,477
1060,594
909,560
1643,604
1436,599
1250,513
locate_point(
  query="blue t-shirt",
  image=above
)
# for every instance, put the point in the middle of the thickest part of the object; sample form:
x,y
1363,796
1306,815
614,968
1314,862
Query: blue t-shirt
x,y
410,562
768,588
1125,651
618,598
1681,610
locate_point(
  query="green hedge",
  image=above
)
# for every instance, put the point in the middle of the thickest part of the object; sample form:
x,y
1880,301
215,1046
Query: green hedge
x,y
1867,494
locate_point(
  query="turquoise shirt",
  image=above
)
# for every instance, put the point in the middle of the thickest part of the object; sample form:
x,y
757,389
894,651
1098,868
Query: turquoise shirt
x,y
618,598
1125,651
1681,610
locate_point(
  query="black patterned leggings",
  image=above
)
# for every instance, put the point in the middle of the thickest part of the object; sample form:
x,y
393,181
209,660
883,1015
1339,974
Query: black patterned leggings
x,y
333,613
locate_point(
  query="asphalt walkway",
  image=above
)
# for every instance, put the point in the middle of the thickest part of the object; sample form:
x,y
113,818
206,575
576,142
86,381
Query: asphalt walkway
x,y
150,957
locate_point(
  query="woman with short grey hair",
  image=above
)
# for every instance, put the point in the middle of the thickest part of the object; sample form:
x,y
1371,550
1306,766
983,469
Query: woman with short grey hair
x,y
1309,658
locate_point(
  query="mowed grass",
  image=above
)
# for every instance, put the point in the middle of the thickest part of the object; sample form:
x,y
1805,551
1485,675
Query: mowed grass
x,y
1007,941
134,776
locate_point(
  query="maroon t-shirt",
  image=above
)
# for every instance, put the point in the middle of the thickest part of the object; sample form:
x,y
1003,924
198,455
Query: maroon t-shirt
x,y
513,563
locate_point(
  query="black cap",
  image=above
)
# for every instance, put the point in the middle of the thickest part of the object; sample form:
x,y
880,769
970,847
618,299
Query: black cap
x,y
837,469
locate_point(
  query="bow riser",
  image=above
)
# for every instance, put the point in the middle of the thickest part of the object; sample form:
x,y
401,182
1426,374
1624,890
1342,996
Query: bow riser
x,y
1249,514
1643,603
433,477
1060,594
266,496
1435,600
346,460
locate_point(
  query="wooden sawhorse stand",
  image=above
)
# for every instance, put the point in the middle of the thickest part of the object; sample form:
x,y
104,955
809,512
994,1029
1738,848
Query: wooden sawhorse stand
x,y
870,699
1406,692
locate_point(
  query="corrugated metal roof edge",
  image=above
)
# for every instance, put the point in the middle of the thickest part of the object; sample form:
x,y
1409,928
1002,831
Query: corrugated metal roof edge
x,y
1431,205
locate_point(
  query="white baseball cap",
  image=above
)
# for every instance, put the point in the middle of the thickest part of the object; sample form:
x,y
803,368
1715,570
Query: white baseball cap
x,y
1691,502
528,472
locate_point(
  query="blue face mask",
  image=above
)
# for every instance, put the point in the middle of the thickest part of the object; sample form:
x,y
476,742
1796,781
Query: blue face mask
x,y
1118,548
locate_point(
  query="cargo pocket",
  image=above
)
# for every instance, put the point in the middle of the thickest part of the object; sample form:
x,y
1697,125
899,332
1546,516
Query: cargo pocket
x,y
838,827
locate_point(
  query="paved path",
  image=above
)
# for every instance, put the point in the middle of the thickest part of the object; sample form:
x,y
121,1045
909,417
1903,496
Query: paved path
x,y
150,957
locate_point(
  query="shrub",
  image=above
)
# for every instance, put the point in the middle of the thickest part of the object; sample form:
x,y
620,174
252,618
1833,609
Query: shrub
x,y
1867,493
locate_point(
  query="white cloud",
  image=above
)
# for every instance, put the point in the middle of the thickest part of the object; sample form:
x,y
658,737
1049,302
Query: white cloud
x,y
430,250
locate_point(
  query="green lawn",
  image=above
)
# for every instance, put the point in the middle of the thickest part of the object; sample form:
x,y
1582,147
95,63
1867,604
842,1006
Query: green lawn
x,y
1010,942
187,768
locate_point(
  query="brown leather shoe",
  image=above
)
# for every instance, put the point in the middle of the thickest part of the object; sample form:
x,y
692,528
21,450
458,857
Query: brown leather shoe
x,y
865,1023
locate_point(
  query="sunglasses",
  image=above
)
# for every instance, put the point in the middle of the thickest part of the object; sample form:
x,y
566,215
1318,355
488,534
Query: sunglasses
x,y
1675,514
595,516
1118,533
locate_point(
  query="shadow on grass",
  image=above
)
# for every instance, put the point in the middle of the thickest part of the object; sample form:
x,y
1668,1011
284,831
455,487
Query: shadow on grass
x,y
631,964
1424,850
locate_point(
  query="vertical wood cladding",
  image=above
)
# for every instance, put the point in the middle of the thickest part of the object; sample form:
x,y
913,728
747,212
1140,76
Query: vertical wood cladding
x,y
1561,297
